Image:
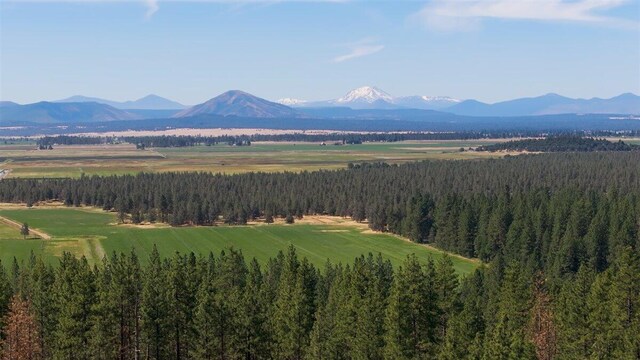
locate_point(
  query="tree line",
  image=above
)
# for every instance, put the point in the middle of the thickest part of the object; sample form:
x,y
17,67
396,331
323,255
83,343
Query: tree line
x,y
560,144
344,138
225,307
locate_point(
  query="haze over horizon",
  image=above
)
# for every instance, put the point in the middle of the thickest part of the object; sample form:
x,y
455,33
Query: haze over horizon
x,y
491,50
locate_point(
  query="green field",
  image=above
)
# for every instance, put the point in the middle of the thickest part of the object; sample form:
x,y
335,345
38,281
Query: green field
x,y
72,161
94,233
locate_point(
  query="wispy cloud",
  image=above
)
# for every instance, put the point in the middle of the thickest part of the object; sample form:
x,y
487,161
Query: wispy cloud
x,y
152,8
358,49
468,14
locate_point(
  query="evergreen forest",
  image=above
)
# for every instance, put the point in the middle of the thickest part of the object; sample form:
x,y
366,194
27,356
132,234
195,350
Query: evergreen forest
x,y
558,235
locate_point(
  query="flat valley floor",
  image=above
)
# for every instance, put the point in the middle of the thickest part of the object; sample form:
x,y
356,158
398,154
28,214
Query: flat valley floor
x,y
24,160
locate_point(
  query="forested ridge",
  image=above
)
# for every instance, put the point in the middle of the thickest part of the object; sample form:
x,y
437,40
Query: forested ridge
x,y
560,233
560,144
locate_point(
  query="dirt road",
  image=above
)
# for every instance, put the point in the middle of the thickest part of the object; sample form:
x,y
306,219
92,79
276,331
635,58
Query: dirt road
x,y
41,234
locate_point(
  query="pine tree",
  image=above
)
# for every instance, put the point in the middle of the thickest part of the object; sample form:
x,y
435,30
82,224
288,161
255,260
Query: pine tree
x,y
21,339
289,219
216,314
291,313
465,329
411,318
498,225
209,332
125,290
5,295
507,337
446,222
104,322
333,329
180,306
446,282
466,232
572,316
74,299
395,329
155,312
367,304
605,327
268,217
625,303
253,318
597,241
41,297
417,223
542,328
24,230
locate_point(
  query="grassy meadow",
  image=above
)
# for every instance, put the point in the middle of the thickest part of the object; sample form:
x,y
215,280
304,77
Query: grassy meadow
x,y
75,160
94,233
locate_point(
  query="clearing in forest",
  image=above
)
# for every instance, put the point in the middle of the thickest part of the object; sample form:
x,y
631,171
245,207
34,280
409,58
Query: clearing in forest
x,y
93,234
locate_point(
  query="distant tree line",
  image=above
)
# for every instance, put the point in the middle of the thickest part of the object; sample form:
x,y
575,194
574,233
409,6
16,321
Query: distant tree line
x,y
197,140
74,140
560,144
345,138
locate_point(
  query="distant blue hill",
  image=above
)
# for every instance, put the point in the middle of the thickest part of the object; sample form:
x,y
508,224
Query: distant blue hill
x,y
63,113
241,104
550,104
153,114
8,103
149,102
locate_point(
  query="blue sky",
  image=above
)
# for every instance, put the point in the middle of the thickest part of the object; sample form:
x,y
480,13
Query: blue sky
x,y
190,51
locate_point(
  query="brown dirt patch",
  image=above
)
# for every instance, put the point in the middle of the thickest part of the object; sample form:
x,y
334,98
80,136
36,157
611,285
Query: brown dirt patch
x,y
142,225
206,132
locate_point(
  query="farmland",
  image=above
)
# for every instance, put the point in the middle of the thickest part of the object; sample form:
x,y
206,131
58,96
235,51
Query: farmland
x,y
94,233
75,160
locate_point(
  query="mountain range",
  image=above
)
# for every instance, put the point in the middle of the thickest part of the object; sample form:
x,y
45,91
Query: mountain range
x,y
362,103
371,97
149,102
50,112
550,104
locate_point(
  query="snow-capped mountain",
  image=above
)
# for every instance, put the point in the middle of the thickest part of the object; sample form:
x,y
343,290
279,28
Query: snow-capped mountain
x,y
371,97
291,102
365,94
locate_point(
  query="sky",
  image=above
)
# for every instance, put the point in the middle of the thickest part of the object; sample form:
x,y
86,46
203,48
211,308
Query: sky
x,y
191,51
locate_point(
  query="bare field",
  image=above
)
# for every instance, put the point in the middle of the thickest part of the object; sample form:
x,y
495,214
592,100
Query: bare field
x,y
73,161
208,132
